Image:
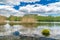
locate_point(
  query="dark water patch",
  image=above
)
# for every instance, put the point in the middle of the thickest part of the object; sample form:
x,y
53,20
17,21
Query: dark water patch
x,y
25,38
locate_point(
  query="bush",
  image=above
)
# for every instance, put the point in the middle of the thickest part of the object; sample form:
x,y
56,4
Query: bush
x,y
45,32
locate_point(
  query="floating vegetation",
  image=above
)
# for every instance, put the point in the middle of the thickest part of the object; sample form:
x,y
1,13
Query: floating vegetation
x,y
45,32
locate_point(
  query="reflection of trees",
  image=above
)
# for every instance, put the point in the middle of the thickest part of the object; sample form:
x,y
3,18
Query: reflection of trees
x,y
33,24
37,24
12,23
46,24
58,24
30,25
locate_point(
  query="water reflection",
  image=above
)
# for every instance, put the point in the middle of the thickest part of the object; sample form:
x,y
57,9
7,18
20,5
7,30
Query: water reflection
x,y
31,28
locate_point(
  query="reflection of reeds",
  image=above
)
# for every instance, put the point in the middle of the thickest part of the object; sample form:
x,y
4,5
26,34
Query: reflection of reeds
x,y
25,24
12,23
2,23
32,24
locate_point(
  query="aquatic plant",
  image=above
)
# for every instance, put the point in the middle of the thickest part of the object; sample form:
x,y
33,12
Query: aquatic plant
x,y
45,32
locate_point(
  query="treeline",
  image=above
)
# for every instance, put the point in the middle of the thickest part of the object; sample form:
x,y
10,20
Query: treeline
x,y
14,18
45,18
48,18
37,18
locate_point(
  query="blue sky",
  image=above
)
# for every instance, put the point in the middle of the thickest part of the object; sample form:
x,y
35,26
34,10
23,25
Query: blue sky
x,y
43,7
42,2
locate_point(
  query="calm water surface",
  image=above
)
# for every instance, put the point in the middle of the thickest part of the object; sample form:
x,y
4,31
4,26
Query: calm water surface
x,y
31,29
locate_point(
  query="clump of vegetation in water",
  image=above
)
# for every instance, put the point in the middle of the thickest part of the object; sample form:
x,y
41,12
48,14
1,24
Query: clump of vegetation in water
x,y
46,32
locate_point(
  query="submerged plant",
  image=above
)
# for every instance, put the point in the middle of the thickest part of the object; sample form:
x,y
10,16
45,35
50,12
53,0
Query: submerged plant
x,y
46,32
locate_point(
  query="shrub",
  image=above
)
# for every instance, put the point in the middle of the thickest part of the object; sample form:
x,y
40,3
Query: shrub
x,y
45,32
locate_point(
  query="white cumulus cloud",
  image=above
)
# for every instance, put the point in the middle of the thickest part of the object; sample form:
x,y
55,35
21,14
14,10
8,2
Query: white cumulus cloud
x,y
9,10
29,0
16,2
10,2
53,8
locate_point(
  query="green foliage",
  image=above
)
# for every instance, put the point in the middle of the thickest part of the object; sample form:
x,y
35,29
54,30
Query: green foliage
x,y
45,18
45,32
48,19
14,18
